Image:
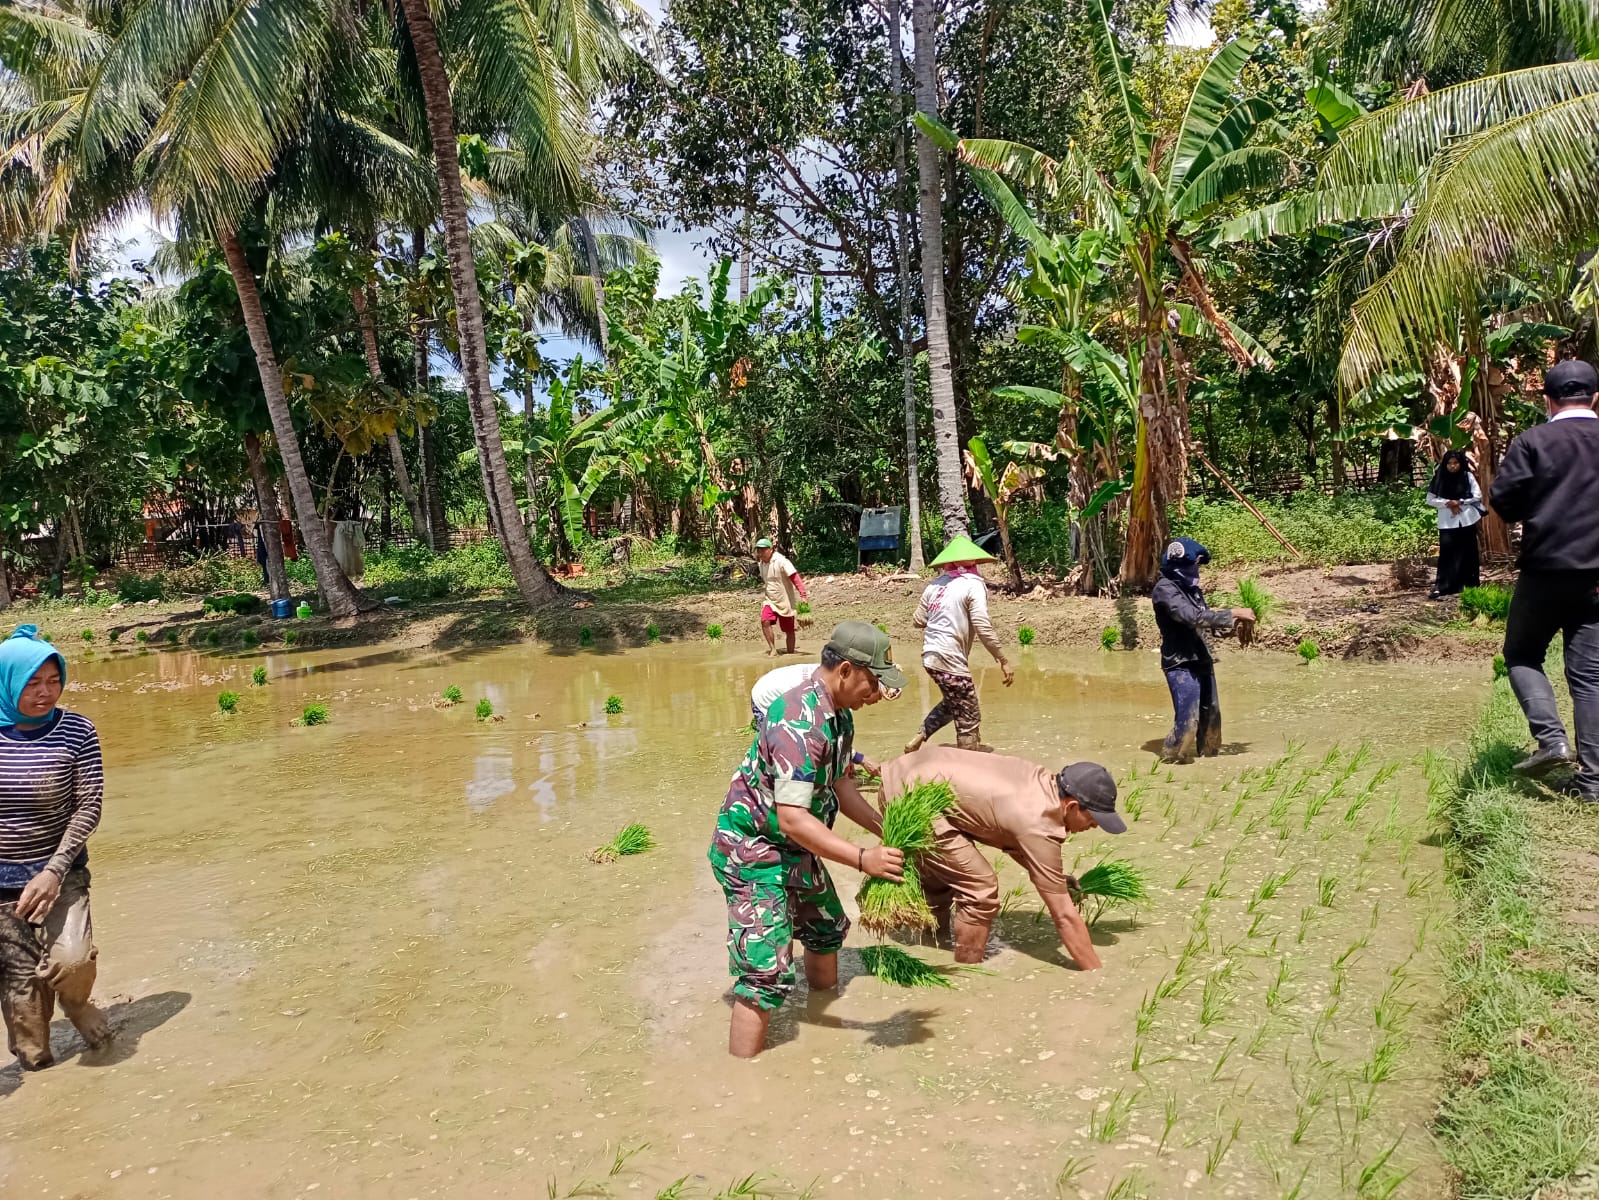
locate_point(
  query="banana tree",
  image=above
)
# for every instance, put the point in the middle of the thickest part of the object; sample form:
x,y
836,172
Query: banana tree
x,y
1152,210
1002,491
685,371
574,455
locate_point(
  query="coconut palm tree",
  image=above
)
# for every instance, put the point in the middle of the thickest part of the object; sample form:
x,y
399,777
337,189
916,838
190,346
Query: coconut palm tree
x,y
940,370
1152,209
902,253
184,106
534,66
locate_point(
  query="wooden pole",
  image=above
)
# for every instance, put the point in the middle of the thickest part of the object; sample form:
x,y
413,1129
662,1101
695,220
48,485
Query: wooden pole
x,y
1255,512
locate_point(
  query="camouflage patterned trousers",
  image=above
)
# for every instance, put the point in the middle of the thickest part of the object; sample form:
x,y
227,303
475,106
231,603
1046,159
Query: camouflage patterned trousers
x,y
959,705
769,904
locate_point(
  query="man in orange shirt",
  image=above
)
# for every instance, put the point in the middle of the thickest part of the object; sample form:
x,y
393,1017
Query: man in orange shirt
x,y
1016,806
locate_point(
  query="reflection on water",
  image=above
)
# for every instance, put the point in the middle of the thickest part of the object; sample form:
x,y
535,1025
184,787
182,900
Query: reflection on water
x,y
408,980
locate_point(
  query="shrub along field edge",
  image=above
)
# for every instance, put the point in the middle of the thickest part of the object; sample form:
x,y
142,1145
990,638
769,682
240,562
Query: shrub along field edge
x,y
1521,1098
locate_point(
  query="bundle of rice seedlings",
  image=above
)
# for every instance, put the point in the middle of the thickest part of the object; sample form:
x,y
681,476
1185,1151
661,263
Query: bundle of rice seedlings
x,y
908,826
1112,882
893,965
632,839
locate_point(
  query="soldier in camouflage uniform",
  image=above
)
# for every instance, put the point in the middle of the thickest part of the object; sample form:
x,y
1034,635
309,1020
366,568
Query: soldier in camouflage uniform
x,y
776,826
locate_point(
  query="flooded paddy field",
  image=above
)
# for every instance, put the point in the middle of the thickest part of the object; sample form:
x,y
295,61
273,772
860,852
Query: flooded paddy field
x,y
372,958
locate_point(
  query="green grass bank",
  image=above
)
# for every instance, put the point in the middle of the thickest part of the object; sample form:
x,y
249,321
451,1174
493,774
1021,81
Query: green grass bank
x,y
1521,1105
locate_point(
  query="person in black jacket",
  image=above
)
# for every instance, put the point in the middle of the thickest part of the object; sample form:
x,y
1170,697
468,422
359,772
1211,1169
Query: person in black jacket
x,y
1183,618
1549,481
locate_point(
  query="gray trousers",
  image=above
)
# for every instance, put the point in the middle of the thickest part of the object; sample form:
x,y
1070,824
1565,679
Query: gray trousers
x,y
1547,603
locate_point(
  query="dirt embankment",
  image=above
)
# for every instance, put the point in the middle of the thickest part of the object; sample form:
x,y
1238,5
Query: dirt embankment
x,y
1359,612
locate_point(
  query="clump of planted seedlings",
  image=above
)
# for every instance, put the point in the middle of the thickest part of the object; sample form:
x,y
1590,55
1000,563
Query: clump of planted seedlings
x,y
485,709
227,702
613,705
629,840
451,695
907,826
315,713
714,632
259,676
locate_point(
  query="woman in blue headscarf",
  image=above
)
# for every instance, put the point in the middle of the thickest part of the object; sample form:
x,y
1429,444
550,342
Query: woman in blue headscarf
x,y
50,793
1183,618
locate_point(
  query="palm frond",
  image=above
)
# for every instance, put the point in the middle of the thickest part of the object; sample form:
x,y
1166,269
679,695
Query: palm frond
x,y
1396,144
1523,189
1072,178
1301,214
1208,104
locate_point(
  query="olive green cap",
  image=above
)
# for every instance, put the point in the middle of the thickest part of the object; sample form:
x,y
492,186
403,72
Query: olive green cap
x,y
962,549
865,645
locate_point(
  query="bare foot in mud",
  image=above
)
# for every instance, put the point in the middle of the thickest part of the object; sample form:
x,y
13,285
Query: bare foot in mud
x,y
92,1026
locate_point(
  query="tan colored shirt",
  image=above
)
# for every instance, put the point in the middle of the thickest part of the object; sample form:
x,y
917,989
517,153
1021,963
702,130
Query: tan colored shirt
x,y
1008,803
776,578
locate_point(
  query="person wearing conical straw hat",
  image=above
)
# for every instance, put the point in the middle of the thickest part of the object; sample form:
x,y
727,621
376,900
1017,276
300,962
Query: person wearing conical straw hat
x,y
953,612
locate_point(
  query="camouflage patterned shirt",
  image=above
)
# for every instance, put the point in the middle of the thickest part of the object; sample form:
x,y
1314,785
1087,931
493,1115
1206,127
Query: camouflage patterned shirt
x,y
803,751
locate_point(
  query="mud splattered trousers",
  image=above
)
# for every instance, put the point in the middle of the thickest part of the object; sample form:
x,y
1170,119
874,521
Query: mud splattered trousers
x,y
958,705
1197,725
770,902
41,963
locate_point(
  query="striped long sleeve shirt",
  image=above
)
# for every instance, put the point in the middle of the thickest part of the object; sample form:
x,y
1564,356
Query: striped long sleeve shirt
x,y
50,793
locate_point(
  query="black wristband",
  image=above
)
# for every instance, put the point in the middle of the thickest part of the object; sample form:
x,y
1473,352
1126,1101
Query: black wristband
x,y
860,863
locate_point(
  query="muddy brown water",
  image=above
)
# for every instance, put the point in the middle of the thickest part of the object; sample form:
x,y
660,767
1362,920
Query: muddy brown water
x,y
370,958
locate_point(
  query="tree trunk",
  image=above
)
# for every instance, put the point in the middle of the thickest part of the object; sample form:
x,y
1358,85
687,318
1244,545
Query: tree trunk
x,y
907,360
1335,441
269,522
727,534
363,302
940,379
1159,455
1012,566
532,580
1485,449
338,593
438,526
5,583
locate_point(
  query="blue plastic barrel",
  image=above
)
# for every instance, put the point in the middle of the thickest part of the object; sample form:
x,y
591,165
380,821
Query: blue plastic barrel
x,y
282,610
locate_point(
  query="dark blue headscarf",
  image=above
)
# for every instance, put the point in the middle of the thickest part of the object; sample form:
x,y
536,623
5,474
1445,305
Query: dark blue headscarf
x,y
1181,563
21,655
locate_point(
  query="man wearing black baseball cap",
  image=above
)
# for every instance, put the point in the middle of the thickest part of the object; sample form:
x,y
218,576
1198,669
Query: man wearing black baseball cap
x,y
1016,806
1549,481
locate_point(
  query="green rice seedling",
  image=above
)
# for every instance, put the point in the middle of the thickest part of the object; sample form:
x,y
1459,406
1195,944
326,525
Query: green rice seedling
x,y
1137,1062
1270,886
1354,948
1257,1040
1214,1000
1390,1011
172,637
1358,805
881,626
1222,1144
907,826
1316,803
1218,887
249,638
290,636
1275,995
1112,882
1011,901
895,966
1169,987
1133,802
1182,880
1384,1059
315,713
1254,925
1070,1170
227,701
714,632
1128,1187
629,840
485,709
259,677
1326,890
1170,1115
1145,1016
1500,669
88,635
676,1190
1305,1112
652,632
1108,637
1309,650
613,705
804,608
1256,599
451,695
1306,916
585,635
1026,635
142,637
1105,1123
114,636
1491,602
1226,1053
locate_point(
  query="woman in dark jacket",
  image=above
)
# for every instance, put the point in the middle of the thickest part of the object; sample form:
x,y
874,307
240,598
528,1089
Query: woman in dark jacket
x,y
1183,618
